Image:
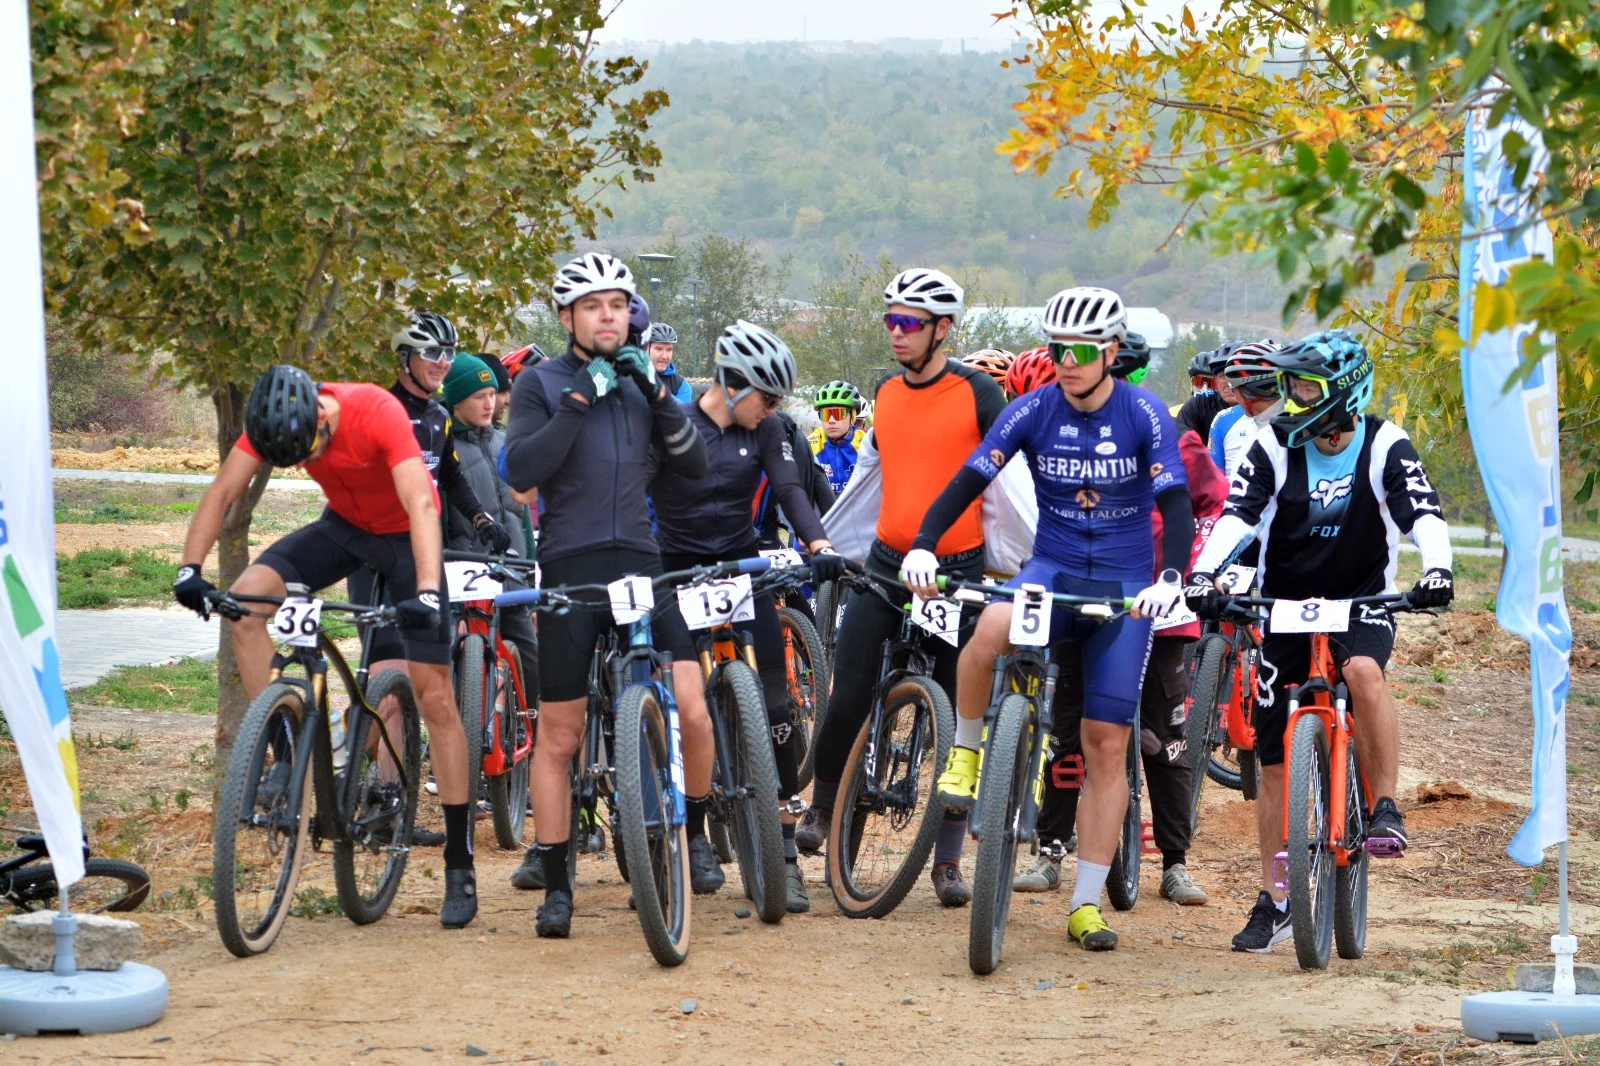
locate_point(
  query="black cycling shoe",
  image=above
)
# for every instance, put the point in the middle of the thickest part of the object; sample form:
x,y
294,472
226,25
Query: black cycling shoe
x,y
460,898
555,916
1386,834
798,902
426,838
705,872
812,831
530,874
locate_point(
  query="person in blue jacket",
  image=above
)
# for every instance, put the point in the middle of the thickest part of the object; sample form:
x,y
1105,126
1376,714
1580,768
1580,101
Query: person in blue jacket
x,y
661,341
837,441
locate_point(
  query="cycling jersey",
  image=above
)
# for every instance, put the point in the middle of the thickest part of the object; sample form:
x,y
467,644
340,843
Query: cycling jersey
x,y
678,386
1330,525
923,432
373,436
837,457
812,479
430,422
1233,421
1198,411
714,514
1095,474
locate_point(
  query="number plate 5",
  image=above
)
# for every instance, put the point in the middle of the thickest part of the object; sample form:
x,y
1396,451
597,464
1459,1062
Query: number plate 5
x,y
298,622
1030,616
1310,616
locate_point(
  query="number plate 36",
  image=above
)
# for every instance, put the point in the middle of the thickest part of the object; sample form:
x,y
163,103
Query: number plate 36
x,y
298,622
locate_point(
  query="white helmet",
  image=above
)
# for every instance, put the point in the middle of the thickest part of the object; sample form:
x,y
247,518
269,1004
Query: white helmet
x,y
758,356
928,290
1093,314
594,272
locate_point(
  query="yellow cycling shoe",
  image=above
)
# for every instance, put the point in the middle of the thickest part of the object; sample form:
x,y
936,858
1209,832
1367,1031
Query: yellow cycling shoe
x,y
958,785
1089,928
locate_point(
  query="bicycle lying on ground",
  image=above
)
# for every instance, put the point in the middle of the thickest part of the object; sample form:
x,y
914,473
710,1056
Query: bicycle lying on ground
x,y
28,882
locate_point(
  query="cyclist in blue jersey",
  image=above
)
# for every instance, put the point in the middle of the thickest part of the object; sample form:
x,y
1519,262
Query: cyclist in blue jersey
x,y
661,341
1248,375
836,443
1104,456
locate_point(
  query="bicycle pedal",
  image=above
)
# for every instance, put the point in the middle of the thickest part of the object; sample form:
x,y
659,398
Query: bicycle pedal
x,y
1385,847
1280,870
1147,839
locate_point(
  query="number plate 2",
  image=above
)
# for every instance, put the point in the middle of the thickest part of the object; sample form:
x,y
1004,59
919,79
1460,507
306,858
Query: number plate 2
x,y
1030,616
1310,616
939,616
714,603
298,623
470,581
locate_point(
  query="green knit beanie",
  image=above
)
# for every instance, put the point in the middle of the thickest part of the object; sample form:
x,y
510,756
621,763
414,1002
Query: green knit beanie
x,y
467,375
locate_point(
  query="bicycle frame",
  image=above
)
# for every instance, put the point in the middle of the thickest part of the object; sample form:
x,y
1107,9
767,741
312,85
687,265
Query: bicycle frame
x,y
480,619
1236,719
1330,701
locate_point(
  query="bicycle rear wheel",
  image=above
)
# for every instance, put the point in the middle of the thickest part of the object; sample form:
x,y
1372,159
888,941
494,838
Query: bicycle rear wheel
x,y
658,851
1122,883
807,668
1350,880
378,800
1005,787
107,885
1200,728
508,792
259,829
1311,861
887,814
470,687
757,831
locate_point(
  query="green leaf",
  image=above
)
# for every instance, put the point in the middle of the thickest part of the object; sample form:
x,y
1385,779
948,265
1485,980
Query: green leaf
x,y
1416,272
1586,489
1329,295
1337,162
1305,158
1288,262
1407,191
1387,235
1341,12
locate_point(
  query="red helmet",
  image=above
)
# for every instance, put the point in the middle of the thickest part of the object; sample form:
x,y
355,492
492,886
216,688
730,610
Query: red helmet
x,y
521,359
1028,371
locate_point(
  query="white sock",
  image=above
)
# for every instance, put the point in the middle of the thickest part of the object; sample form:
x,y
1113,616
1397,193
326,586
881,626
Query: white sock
x,y
1282,905
969,733
1090,883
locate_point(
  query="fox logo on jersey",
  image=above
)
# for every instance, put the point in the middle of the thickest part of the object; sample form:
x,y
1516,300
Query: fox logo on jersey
x,y
1328,492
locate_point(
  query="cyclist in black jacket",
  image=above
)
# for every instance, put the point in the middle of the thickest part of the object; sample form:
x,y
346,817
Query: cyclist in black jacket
x,y
712,519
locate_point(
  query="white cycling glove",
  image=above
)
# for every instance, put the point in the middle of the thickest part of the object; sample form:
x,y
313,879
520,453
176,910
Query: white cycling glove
x,y
919,568
1160,599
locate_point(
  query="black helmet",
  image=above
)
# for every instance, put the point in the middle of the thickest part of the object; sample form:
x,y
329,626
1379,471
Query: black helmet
x,y
280,419
1133,359
1200,365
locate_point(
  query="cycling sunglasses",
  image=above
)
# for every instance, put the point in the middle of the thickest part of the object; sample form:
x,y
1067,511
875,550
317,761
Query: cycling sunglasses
x,y
770,400
1292,403
435,354
1083,352
1257,383
905,323
842,414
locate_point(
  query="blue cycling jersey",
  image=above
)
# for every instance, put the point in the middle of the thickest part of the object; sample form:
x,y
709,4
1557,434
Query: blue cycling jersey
x,y
1095,475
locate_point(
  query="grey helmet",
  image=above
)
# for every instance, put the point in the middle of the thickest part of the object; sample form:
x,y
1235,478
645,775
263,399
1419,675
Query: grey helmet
x,y
661,333
423,329
592,272
758,356
928,290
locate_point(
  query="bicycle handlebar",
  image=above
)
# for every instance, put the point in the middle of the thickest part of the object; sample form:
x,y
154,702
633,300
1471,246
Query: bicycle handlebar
x,y
976,592
509,562
561,597
230,606
1397,601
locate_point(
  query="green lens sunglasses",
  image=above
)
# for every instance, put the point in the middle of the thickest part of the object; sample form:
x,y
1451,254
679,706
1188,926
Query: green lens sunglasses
x,y
1083,352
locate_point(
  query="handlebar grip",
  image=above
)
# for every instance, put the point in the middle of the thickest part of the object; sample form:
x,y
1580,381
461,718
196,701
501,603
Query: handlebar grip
x,y
519,597
752,566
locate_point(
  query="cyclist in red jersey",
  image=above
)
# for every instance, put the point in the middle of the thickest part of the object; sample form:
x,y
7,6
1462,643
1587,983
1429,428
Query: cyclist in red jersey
x,y
383,511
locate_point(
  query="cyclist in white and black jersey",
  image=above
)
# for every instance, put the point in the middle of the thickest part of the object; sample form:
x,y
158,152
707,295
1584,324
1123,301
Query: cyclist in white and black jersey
x,y
1328,494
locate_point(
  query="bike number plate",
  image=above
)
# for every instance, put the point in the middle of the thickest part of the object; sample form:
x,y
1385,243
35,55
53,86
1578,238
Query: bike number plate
x,y
939,616
470,581
631,598
1030,616
1179,616
715,603
1236,580
1310,616
298,622
782,558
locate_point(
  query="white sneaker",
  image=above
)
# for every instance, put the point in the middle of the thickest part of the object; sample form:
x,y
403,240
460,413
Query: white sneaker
x,y
1043,876
1179,887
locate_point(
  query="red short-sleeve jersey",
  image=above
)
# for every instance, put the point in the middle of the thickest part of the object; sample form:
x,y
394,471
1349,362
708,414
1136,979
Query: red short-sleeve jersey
x,y
374,435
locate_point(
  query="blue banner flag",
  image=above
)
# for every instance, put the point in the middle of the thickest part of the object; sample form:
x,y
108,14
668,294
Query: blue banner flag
x,y
1514,433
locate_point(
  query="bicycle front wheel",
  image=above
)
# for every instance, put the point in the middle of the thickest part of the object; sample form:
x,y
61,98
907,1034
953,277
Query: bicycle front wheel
x,y
886,814
1122,883
658,851
259,829
508,792
470,688
758,832
1200,728
107,885
807,673
378,799
1005,785
1350,880
1311,861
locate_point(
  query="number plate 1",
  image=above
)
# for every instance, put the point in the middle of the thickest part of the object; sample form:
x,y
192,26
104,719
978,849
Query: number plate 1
x,y
631,598
938,616
1310,616
1030,616
298,622
714,603
470,581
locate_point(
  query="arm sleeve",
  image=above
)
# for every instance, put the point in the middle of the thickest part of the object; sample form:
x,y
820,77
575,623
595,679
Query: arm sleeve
x,y
454,483
991,401
1177,527
1414,505
537,442
1254,485
966,486
682,450
783,474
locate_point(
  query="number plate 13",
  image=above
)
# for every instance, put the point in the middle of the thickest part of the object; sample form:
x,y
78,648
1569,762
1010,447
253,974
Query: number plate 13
x,y
714,603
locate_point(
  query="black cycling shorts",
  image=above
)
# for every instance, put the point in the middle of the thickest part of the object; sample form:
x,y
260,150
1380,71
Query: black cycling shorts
x,y
1286,661
567,642
330,549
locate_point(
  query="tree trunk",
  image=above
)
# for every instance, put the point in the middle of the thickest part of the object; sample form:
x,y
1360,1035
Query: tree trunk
x,y
233,555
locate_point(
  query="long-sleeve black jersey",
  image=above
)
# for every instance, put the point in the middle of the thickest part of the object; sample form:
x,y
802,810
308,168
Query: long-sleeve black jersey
x,y
431,423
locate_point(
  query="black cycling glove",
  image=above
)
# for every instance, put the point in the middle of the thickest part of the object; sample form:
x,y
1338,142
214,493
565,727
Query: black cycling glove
x,y
593,382
420,613
190,590
826,565
1436,588
492,533
1202,596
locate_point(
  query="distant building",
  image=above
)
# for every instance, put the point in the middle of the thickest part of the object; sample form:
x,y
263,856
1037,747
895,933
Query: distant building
x,y
1148,321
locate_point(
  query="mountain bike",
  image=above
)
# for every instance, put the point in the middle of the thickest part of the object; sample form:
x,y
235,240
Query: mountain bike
x,y
28,882
498,701
1219,730
298,740
1016,738
805,664
887,813
1323,865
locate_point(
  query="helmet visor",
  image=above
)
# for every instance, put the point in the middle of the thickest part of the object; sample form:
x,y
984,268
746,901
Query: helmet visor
x,y
1302,393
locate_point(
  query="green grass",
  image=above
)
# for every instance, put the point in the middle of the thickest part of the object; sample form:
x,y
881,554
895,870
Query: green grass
x,y
123,511
188,685
108,577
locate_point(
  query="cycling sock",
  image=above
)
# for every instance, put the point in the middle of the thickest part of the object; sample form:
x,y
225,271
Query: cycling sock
x,y
823,793
555,856
1282,905
457,836
791,853
969,733
1169,859
697,814
1090,883
952,835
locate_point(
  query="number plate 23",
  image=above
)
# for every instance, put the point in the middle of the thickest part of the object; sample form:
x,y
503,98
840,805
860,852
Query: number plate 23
x,y
298,622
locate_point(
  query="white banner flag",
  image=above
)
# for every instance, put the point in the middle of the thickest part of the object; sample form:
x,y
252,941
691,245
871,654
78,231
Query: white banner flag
x,y
31,697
